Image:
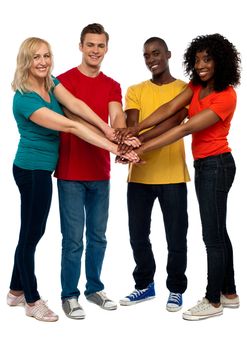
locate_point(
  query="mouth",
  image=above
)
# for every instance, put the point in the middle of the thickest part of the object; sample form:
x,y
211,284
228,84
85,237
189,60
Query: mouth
x,y
202,74
153,67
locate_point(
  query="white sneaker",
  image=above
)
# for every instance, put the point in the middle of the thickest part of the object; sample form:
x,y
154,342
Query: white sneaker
x,y
231,303
204,309
73,309
100,298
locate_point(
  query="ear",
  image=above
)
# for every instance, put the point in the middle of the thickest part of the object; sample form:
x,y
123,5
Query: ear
x,y
80,47
168,54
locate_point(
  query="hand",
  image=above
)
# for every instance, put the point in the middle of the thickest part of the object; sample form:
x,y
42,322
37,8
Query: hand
x,y
124,133
110,134
132,141
121,160
131,156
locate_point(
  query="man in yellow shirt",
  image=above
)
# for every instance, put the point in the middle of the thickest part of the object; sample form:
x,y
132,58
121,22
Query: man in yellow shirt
x,y
163,175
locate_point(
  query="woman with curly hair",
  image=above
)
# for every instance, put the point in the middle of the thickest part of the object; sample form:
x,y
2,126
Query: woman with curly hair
x,y
213,64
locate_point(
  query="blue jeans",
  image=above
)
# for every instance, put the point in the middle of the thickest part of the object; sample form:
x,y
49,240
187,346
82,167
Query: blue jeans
x,y
35,188
214,176
82,203
173,202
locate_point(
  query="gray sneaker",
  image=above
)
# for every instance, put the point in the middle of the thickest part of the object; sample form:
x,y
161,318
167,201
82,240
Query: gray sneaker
x,y
73,309
100,298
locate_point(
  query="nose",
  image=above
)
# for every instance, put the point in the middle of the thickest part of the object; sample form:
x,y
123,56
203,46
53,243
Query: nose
x,y
199,64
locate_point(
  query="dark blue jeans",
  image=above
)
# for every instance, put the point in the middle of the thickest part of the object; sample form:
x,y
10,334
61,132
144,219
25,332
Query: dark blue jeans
x,y
35,188
173,202
214,176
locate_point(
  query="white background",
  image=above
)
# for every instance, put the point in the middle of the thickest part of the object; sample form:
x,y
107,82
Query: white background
x,y
146,325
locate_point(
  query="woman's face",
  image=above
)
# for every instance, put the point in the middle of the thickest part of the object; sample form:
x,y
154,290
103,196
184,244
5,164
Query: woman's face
x,y
41,62
204,66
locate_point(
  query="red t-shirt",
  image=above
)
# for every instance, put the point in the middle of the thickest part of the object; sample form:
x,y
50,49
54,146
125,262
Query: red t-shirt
x,y
213,140
79,160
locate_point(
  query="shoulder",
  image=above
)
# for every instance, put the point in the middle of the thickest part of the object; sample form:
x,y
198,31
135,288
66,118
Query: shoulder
x,y
71,72
139,86
105,78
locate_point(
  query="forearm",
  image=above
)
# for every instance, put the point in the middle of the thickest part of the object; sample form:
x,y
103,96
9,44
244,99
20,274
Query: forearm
x,y
78,119
158,116
85,112
165,139
93,136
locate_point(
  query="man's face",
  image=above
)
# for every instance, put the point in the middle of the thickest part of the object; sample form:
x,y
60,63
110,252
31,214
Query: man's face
x,y
94,48
156,57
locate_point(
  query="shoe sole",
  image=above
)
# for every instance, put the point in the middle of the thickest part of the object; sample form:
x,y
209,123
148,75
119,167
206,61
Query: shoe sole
x,y
75,318
103,307
231,306
173,309
198,318
128,303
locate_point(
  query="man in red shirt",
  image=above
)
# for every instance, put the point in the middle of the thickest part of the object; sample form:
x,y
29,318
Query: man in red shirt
x,y
83,173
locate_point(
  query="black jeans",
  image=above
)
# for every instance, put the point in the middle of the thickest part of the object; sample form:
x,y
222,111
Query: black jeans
x,y
35,188
213,179
173,202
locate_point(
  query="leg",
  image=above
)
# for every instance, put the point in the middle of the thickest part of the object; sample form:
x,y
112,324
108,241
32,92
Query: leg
x,y
213,179
35,188
71,205
173,203
140,203
96,205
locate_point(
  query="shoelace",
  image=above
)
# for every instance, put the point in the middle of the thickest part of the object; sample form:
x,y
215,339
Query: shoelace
x,y
103,296
174,298
74,305
41,309
138,292
201,305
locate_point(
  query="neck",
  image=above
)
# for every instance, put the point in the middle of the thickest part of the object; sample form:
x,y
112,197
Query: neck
x,y
89,71
36,84
163,78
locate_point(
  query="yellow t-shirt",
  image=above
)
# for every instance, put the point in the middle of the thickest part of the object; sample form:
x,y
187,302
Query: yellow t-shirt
x,y
167,164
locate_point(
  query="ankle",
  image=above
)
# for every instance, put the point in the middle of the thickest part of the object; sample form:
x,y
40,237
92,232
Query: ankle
x,y
230,296
16,293
216,304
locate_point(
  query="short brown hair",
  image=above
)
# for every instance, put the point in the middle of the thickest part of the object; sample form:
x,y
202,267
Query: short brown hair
x,y
94,28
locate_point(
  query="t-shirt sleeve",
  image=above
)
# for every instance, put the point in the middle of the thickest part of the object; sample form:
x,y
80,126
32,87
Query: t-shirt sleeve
x,y
115,93
28,103
224,103
131,99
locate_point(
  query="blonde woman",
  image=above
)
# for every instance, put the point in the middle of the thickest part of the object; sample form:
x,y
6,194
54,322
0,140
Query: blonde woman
x,y
39,118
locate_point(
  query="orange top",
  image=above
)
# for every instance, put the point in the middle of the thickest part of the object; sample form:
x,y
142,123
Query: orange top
x,y
213,140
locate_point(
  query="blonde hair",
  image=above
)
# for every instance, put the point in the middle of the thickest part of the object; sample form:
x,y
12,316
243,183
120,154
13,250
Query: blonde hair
x,y
24,62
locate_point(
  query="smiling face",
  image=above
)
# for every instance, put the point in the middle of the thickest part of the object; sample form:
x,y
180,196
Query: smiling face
x,y
156,58
41,62
94,48
204,66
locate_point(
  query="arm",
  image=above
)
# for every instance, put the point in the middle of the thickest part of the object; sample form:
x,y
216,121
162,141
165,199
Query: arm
x,y
81,109
199,122
52,120
117,117
167,110
167,124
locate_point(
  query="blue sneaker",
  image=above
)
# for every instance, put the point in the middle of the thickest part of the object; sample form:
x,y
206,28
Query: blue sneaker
x,y
139,295
174,302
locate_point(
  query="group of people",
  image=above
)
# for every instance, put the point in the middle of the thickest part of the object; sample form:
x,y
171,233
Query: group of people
x,y
63,126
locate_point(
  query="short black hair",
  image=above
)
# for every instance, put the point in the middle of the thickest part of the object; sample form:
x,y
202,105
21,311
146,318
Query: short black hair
x,y
223,52
155,38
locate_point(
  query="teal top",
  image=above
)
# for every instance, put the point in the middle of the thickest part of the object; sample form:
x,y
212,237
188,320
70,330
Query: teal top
x,y
38,146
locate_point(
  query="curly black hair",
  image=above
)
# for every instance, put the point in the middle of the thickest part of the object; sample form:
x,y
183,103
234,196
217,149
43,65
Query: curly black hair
x,y
226,57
